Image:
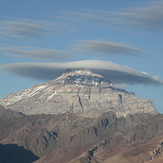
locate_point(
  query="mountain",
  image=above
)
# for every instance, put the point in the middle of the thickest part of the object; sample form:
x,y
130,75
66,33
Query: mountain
x,y
7,113
80,117
150,151
82,92
70,138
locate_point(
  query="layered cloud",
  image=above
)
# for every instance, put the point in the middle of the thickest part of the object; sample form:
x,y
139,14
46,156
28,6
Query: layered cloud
x,y
118,74
106,48
36,53
148,16
96,48
23,28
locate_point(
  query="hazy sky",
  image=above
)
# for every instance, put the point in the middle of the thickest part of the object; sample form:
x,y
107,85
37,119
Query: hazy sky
x,y
122,40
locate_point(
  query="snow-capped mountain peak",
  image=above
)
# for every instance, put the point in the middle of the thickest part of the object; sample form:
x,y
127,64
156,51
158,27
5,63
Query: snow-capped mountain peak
x,y
82,92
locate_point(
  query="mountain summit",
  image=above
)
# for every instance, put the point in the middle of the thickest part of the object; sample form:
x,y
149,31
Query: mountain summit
x,y
82,92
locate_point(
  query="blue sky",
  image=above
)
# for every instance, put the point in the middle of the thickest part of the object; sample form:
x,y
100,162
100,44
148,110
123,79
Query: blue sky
x,y
120,39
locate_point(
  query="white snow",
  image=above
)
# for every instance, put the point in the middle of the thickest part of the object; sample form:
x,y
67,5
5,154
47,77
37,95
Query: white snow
x,y
51,96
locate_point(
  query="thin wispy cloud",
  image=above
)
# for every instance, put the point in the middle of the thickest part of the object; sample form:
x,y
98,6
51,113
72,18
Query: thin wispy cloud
x,y
148,16
89,47
118,74
23,28
87,16
107,48
36,53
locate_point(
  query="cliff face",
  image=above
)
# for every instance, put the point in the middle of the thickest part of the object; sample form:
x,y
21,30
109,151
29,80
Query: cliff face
x,y
81,92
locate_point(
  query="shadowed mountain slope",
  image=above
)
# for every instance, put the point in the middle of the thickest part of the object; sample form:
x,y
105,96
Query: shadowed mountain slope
x,y
11,153
68,136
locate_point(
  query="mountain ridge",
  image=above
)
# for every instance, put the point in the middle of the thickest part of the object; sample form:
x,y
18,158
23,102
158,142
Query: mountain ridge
x,y
68,136
82,92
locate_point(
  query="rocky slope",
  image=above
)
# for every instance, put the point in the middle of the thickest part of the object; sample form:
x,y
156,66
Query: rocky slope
x,y
81,92
72,138
150,151
7,113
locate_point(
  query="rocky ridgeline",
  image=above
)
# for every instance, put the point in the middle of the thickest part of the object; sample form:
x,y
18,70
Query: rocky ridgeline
x,y
82,92
69,137
7,113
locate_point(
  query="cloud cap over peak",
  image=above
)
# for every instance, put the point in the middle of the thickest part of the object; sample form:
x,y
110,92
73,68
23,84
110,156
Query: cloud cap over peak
x,y
117,74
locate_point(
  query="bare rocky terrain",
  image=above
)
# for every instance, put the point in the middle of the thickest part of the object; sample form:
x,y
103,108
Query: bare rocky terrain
x,y
81,92
7,113
72,138
80,117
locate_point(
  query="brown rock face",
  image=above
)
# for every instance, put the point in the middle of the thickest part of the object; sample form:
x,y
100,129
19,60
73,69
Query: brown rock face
x,y
7,113
72,138
81,92
150,151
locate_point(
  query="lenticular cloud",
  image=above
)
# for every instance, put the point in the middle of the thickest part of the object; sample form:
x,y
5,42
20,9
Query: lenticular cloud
x,y
116,73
